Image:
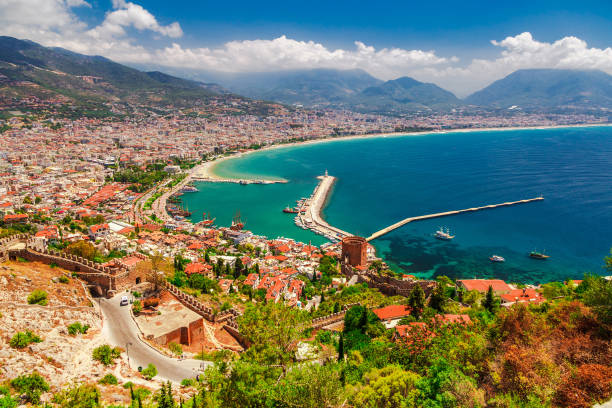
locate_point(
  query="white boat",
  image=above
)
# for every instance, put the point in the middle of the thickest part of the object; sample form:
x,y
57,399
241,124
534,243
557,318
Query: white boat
x,y
443,234
497,258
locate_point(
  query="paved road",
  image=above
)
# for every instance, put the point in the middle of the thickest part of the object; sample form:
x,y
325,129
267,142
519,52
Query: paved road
x,y
122,330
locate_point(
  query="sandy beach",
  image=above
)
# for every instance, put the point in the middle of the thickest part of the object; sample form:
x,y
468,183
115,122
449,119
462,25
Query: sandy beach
x,y
206,170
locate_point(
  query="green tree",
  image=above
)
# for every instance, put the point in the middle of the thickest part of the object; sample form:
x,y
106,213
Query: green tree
x,y
31,386
389,386
438,298
79,396
309,386
271,329
106,354
490,302
416,301
341,348
150,371
597,293
83,249
165,398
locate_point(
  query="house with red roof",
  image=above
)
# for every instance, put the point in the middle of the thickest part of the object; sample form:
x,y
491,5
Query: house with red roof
x,y
225,285
198,267
449,318
526,295
252,280
411,332
13,218
98,231
392,314
482,285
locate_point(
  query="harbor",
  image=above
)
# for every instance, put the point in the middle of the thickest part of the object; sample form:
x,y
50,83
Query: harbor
x,y
309,211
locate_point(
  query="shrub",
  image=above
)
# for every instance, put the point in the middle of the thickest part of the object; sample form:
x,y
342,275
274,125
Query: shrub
x,y
149,372
137,307
136,294
31,386
175,348
128,384
38,297
106,354
187,382
151,302
77,327
78,396
108,379
6,401
23,339
63,279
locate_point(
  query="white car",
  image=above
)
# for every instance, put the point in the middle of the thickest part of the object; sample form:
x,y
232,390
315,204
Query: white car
x,y
124,301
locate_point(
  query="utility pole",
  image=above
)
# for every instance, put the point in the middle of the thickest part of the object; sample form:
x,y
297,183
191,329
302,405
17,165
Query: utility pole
x,y
127,351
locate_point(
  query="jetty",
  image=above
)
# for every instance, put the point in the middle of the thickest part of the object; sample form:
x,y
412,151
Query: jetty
x,y
309,214
403,222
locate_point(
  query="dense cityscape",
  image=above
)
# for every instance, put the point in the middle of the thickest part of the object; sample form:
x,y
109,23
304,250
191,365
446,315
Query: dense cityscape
x,y
113,296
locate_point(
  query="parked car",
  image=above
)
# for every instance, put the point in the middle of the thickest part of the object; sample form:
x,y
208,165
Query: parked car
x,y
124,301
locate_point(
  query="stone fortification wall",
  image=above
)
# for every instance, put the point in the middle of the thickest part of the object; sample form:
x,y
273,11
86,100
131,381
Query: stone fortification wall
x,y
391,286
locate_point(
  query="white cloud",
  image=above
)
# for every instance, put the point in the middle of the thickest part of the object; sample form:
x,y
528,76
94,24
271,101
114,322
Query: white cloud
x,y
53,23
128,14
522,52
284,53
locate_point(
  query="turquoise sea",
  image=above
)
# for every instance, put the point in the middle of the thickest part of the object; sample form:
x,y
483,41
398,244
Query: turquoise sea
x,y
383,180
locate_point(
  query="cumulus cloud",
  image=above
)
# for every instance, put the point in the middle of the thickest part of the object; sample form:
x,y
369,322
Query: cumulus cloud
x,y
132,15
284,53
53,23
522,52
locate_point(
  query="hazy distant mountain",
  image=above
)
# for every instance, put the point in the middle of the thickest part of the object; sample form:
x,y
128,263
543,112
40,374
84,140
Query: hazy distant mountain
x,y
548,89
351,89
89,79
313,87
403,95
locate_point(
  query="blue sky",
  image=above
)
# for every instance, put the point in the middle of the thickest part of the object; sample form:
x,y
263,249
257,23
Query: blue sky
x,y
461,46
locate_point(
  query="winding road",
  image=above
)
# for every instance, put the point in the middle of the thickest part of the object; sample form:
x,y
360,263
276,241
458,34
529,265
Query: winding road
x,y
123,332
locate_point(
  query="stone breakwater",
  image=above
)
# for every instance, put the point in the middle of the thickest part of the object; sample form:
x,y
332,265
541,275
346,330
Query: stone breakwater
x,y
309,215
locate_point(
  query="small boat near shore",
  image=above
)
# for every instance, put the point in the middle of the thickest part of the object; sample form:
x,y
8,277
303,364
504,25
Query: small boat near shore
x,y
497,258
289,210
538,255
443,234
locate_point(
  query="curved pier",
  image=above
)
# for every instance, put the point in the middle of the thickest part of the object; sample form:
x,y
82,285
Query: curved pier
x,y
309,216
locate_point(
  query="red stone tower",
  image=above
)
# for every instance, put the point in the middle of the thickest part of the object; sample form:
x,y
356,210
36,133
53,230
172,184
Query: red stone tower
x,y
354,251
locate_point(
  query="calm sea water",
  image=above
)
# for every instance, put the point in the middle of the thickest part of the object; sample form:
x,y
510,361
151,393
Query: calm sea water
x,y
383,180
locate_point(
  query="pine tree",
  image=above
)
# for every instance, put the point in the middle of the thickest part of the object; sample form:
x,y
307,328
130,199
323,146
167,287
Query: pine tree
x,y
322,297
207,257
438,298
139,402
490,302
416,301
131,394
341,348
363,319
194,405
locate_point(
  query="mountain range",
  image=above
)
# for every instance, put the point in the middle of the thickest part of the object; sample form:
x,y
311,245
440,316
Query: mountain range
x,y
94,80
89,80
546,89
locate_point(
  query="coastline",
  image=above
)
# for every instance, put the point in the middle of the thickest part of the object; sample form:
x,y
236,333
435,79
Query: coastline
x,y
207,170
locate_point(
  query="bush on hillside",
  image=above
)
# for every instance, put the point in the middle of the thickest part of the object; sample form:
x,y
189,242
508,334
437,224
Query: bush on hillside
x,y
38,297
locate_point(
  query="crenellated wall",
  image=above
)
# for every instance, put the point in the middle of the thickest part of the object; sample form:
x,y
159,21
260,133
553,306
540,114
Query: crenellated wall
x,y
391,286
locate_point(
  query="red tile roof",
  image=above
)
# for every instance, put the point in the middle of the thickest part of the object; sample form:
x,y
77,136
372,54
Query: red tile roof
x,y
392,312
482,285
